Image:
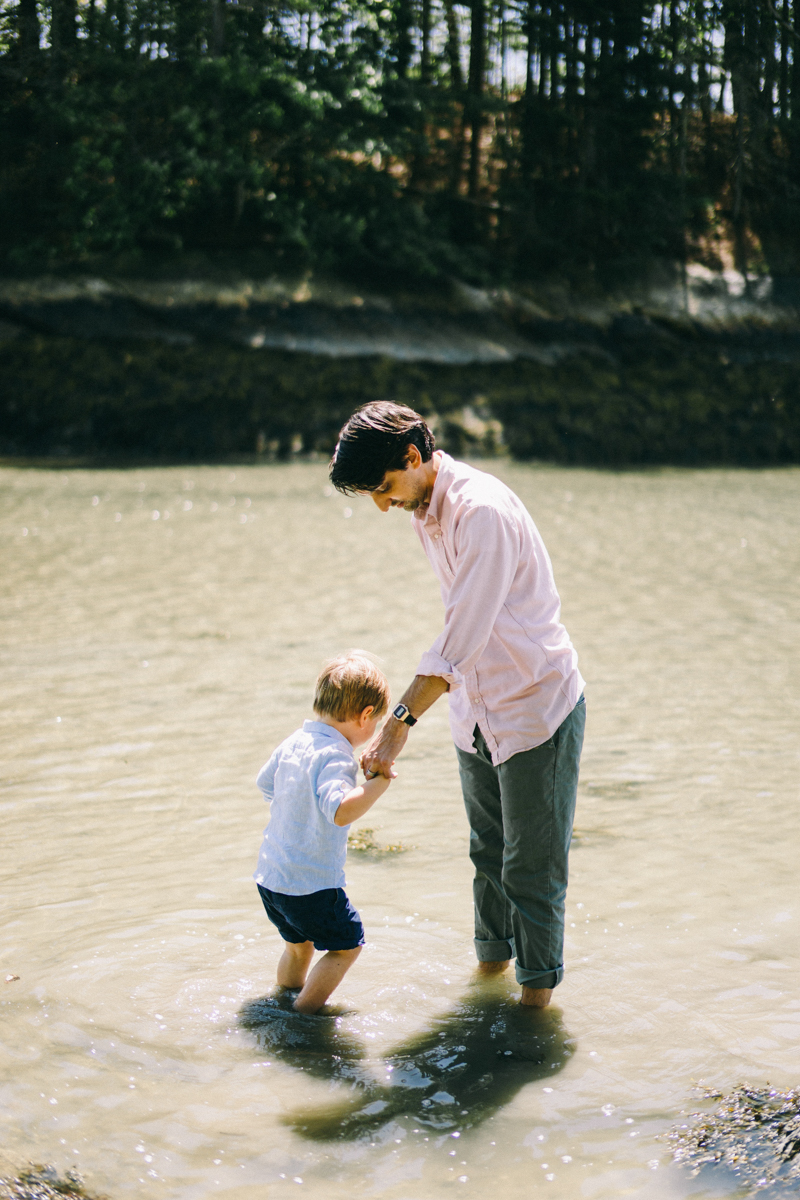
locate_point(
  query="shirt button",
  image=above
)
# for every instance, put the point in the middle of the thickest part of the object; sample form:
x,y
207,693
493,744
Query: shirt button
x,y
437,535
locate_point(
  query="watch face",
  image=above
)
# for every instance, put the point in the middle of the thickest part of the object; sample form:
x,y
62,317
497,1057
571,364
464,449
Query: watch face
x,y
404,714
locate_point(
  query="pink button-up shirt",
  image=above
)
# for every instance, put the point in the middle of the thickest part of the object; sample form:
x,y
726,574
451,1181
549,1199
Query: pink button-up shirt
x,y
511,667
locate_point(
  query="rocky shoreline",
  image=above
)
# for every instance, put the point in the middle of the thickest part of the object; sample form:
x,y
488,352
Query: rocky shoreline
x,y
698,370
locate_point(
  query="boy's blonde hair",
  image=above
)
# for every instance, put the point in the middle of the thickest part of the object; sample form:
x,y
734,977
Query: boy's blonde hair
x,y
348,684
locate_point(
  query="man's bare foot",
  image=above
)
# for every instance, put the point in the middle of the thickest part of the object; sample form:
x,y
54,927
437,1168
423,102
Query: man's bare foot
x,y
492,968
536,997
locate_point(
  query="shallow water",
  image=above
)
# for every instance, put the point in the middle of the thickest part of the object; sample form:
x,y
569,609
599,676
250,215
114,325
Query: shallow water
x,y
161,632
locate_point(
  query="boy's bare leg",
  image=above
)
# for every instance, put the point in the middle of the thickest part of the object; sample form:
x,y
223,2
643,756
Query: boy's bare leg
x,y
327,975
294,963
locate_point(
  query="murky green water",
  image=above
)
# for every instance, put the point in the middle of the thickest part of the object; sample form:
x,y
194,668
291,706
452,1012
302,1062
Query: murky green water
x,y
161,632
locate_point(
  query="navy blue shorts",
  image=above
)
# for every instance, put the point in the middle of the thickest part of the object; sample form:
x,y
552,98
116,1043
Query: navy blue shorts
x,y
326,918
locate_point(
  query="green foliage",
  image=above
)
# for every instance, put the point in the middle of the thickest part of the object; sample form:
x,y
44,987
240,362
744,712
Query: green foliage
x,y
419,140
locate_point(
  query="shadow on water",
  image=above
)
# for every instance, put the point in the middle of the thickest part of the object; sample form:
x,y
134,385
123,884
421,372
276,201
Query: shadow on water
x,y
317,1045
470,1063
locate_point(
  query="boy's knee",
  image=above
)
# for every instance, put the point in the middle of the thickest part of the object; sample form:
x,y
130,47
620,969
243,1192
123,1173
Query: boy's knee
x,y
299,949
349,955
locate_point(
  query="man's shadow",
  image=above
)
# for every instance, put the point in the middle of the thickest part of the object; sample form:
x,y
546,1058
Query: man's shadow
x,y
469,1064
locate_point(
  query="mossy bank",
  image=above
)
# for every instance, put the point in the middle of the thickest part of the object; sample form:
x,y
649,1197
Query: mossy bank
x,y
685,402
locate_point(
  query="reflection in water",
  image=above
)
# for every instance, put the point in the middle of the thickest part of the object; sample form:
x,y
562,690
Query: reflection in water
x,y
471,1062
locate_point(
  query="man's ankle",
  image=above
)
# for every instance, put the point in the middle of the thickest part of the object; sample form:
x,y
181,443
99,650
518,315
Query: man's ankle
x,y
493,968
536,997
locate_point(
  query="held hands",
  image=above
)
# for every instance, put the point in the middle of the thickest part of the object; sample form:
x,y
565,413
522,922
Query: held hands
x,y
379,758
370,774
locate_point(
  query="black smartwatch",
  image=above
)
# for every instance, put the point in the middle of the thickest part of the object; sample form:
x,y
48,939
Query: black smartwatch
x,y
402,714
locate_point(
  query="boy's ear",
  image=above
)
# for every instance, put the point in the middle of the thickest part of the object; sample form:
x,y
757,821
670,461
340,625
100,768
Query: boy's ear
x,y
366,713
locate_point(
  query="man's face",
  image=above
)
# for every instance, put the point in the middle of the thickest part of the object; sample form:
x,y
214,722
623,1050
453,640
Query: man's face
x,y
407,488
401,489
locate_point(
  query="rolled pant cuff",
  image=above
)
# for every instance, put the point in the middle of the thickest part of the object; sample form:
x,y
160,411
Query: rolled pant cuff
x,y
538,979
494,951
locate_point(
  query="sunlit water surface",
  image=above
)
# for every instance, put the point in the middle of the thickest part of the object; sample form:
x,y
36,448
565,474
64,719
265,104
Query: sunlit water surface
x,y
162,630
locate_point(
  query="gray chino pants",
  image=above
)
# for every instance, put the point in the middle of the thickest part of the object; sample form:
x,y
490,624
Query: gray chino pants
x,y
520,817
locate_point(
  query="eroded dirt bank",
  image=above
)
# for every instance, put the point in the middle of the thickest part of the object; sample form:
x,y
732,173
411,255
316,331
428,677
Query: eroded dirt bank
x,y
700,371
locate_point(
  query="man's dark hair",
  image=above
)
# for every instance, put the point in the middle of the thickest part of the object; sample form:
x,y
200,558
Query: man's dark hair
x,y
376,440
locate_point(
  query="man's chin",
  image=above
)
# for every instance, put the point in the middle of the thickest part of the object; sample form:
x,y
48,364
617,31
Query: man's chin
x,y
411,505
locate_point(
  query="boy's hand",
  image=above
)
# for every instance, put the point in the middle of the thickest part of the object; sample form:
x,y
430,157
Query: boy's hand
x,y
361,799
379,758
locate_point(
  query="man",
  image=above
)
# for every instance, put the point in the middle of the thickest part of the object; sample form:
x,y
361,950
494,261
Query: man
x,y
516,696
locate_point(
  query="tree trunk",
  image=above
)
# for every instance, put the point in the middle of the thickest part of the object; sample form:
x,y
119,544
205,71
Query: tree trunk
x,y
737,216
785,43
545,21
705,108
457,90
475,84
216,28
453,48
404,43
531,102
63,33
29,30
425,63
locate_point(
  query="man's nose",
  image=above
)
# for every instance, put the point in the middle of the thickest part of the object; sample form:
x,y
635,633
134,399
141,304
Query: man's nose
x,y
383,502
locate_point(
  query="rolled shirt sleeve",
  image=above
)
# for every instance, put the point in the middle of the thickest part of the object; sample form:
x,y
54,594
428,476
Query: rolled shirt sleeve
x,y
432,663
265,780
336,778
487,555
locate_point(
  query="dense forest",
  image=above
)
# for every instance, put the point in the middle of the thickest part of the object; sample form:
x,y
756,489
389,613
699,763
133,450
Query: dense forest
x,y
493,140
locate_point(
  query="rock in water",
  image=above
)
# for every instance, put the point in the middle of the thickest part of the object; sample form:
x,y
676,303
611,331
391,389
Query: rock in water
x,y
753,1132
43,1183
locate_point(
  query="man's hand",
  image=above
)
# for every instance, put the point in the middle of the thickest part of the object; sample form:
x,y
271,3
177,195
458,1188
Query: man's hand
x,y
378,759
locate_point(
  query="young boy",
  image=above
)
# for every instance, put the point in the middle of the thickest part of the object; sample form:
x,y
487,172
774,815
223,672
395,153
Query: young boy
x,y
310,784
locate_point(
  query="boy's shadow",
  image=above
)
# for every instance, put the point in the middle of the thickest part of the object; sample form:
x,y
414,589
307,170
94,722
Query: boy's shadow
x,y
472,1061
315,1044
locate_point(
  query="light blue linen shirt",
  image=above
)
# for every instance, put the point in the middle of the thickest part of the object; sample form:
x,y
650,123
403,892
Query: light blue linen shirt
x,y
304,783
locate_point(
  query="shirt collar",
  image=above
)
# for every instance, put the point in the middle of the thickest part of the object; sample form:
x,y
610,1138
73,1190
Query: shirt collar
x,y
431,513
325,730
